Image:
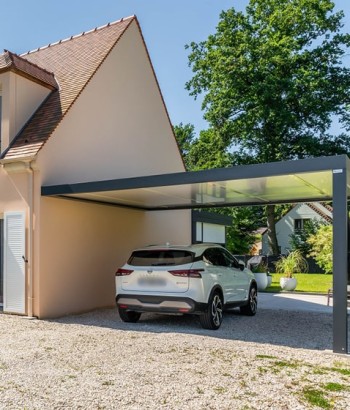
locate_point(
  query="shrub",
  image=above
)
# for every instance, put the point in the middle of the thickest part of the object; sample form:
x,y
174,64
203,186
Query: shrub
x,y
322,247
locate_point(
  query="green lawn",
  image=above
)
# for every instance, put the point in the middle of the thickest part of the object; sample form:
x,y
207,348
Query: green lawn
x,y
307,282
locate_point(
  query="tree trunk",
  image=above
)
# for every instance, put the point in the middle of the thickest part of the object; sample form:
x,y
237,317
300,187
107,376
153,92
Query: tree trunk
x,y
271,230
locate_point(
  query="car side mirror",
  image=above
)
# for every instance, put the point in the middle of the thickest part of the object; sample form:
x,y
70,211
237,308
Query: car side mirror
x,y
241,265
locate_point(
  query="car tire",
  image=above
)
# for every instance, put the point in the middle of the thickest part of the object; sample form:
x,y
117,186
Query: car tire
x,y
212,317
129,316
251,307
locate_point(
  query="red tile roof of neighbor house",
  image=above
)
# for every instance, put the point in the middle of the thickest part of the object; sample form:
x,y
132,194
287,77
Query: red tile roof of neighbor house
x,y
327,218
73,62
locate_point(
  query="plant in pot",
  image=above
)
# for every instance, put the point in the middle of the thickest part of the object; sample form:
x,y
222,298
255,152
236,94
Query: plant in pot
x,y
261,275
293,263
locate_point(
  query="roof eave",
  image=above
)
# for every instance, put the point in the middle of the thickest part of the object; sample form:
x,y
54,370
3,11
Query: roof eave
x,y
29,77
24,159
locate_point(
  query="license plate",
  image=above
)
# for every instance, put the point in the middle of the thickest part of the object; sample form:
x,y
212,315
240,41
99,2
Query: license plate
x,y
152,281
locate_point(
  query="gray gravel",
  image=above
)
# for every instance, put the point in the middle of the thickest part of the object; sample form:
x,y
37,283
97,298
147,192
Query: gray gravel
x,y
275,360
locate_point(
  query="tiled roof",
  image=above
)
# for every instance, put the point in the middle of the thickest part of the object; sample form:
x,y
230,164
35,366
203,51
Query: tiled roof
x,y
73,61
319,211
12,62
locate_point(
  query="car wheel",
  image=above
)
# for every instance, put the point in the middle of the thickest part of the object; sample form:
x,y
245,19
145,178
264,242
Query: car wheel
x,y
252,305
128,315
212,317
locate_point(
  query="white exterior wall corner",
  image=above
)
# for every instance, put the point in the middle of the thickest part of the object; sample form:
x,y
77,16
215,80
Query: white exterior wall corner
x,y
285,226
118,127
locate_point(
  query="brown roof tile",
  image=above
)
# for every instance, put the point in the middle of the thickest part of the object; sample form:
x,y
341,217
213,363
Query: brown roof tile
x,y
12,62
74,62
326,217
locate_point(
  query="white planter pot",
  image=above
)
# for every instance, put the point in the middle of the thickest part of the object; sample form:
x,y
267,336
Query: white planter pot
x,y
261,280
288,283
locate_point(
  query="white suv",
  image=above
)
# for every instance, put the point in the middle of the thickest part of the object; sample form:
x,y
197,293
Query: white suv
x,y
200,279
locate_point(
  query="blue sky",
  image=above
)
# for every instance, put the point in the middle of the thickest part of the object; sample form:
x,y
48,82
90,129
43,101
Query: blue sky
x,y
167,26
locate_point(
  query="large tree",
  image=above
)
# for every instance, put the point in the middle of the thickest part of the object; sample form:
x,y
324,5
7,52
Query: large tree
x,y
273,81
185,136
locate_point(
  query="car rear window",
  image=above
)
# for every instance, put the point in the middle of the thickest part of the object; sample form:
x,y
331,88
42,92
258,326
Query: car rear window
x,y
161,257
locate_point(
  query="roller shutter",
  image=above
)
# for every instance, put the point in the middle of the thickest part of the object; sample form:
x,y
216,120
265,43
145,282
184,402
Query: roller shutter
x,y
14,262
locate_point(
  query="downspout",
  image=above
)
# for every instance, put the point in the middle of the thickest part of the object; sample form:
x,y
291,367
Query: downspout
x,y
30,261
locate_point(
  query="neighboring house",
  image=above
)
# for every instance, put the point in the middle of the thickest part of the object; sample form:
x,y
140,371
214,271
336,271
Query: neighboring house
x,y
294,221
85,108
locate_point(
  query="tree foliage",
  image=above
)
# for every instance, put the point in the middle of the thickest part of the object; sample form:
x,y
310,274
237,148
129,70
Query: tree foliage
x,y
273,78
208,152
299,239
322,247
240,235
273,81
185,135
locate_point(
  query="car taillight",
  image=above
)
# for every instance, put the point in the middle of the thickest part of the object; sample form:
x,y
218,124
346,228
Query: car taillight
x,y
123,272
189,273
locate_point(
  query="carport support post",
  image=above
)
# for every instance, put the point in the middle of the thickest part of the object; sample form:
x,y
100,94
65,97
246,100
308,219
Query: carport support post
x,y
340,261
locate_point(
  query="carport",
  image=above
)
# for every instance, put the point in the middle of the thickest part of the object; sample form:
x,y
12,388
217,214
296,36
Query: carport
x,y
307,180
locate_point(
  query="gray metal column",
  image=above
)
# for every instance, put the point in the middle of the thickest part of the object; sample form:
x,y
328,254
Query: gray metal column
x,y
340,261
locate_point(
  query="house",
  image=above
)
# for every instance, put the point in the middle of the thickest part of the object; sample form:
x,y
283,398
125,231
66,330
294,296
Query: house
x,y
85,108
294,220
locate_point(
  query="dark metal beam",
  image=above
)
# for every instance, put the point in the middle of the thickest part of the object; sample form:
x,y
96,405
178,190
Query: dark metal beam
x,y
195,177
340,261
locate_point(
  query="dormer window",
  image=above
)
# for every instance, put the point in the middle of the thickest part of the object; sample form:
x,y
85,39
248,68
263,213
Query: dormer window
x,y
23,88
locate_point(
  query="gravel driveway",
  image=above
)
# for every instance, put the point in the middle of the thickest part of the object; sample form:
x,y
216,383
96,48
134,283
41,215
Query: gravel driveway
x,y
275,360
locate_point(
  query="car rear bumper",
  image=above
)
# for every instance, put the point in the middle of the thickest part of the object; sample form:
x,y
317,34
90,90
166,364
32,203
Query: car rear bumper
x,y
160,304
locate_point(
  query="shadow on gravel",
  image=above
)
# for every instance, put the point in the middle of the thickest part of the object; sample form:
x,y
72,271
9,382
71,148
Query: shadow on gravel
x,y
306,330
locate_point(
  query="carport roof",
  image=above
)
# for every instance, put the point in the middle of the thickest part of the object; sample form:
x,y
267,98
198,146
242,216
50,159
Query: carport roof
x,y
261,184
316,179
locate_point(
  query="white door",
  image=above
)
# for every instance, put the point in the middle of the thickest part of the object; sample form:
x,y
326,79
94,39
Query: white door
x,y
14,262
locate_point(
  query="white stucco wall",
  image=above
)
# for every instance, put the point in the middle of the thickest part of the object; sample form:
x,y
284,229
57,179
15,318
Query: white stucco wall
x,y
285,226
117,128
172,227
87,244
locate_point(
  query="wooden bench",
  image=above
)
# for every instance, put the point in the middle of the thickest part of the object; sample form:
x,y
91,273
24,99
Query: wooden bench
x,y
330,295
